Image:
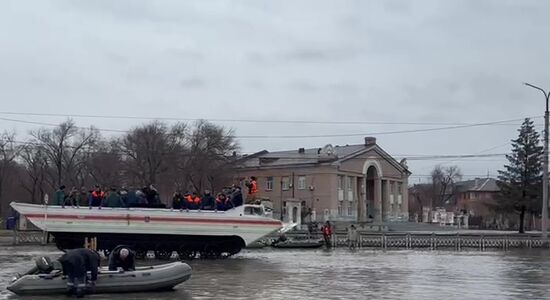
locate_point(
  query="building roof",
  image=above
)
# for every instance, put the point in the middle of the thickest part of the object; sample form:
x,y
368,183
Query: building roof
x,y
313,156
478,185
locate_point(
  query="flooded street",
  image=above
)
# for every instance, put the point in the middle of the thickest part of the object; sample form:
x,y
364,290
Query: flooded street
x,y
340,274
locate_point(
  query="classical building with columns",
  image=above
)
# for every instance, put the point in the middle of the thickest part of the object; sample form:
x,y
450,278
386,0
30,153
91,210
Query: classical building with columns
x,y
357,183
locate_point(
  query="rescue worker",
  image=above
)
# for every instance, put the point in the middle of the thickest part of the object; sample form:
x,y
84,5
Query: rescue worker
x,y
122,258
76,263
220,201
59,196
113,199
189,203
196,200
97,197
252,190
327,233
207,201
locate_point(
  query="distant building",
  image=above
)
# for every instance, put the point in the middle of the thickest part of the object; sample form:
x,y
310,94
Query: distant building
x,y
341,183
475,198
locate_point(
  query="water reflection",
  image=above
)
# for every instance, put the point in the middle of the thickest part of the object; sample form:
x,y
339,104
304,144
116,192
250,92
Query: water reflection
x,y
343,274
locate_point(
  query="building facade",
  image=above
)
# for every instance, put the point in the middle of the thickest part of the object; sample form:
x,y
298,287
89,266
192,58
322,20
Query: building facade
x,y
357,183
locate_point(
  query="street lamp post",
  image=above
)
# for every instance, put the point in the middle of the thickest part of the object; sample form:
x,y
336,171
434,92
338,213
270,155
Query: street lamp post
x,y
545,161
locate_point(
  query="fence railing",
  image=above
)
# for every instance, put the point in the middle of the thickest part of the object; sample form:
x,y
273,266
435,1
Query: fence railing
x,y
432,241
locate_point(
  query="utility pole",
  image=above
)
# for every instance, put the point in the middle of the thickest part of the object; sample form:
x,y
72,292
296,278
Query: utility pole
x,y
545,161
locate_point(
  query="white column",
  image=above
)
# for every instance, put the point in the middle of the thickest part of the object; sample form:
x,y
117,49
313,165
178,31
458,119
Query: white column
x,y
387,205
378,199
405,196
362,200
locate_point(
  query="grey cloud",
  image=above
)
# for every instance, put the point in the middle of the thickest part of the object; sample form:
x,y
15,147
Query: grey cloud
x,y
303,86
192,83
319,55
185,54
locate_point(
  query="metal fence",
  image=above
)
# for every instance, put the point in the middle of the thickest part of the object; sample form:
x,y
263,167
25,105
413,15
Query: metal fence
x,y
433,241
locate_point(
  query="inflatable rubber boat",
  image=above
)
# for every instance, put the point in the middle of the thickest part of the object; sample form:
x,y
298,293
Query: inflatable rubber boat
x,y
143,279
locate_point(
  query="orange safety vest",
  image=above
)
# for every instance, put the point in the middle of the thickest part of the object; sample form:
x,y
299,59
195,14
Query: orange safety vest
x,y
95,194
197,200
253,187
189,199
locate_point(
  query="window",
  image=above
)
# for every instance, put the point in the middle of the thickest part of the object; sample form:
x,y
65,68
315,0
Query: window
x,y
350,212
301,182
269,183
340,209
399,193
349,186
340,188
285,183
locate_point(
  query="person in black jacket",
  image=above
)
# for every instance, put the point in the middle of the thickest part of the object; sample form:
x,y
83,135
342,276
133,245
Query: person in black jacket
x,y
122,257
178,201
237,196
207,201
76,263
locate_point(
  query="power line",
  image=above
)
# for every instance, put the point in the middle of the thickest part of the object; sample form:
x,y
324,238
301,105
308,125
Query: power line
x,y
244,156
301,136
55,125
246,120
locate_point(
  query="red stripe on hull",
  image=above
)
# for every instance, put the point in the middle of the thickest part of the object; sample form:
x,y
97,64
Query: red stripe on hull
x,y
152,219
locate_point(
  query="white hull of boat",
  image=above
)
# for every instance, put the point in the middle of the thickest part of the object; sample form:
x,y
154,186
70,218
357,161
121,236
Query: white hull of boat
x,y
150,221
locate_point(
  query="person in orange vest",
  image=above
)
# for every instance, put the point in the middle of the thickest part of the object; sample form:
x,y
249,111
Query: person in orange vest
x,y
97,197
188,201
252,189
196,200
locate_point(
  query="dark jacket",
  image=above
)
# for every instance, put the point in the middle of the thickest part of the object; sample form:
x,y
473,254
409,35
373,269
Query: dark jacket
x,y
77,262
116,262
113,200
178,202
59,197
237,198
208,202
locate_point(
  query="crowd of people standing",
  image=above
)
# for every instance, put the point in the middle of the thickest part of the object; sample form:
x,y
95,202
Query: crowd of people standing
x,y
96,196
147,196
227,199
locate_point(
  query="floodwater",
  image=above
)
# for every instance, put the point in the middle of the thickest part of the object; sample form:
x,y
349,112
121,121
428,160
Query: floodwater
x,y
339,274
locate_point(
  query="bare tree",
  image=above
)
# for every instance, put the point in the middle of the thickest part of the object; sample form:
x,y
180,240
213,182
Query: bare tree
x,y
443,184
35,166
208,156
104,165
147,150
65,148
8,153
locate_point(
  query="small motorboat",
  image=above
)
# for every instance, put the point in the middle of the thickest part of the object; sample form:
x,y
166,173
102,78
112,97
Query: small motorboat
x,y
299,244
143,279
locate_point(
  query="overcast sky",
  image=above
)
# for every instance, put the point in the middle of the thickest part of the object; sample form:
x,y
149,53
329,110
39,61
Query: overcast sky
x,y
367,61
